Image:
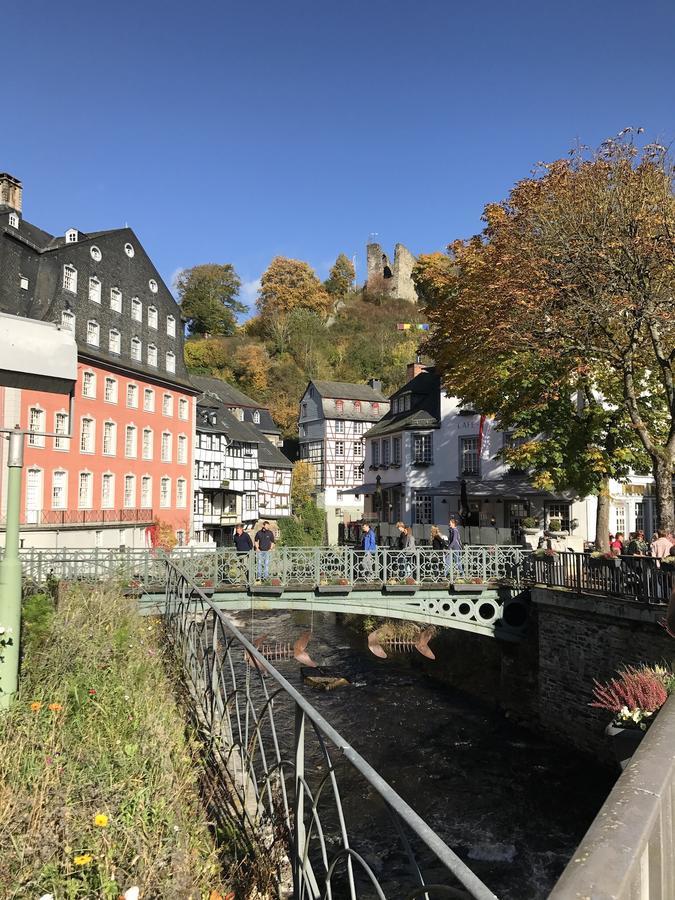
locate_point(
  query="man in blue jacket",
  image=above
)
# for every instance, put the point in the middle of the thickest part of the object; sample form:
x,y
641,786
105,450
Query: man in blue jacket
x,y
369,546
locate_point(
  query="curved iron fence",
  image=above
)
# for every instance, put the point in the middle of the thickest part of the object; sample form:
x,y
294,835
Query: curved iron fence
x,y
276,765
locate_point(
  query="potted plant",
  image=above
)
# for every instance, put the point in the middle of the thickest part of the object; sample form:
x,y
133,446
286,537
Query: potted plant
x,y
546,554
464,585
406,585
335,586
633,699
529,525
270,587
555,527
599,560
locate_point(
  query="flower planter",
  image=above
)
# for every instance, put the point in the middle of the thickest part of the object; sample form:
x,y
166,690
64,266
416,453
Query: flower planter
x,y
335,590
600,562
267,590
624,742
401,588
530,532
461,588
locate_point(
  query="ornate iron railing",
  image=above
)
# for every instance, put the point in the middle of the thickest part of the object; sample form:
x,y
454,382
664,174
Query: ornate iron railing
x,y
275,767
64,518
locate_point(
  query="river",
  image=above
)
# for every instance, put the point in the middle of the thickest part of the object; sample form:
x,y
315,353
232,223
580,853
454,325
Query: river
x,y
513,806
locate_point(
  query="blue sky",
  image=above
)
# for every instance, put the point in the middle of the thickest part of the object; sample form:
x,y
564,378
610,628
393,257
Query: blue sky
x,y
236,131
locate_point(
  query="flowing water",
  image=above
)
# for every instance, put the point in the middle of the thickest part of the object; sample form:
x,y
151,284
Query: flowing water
x,y
511,804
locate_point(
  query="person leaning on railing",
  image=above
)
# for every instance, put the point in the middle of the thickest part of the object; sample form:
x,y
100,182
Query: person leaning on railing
x,y
242,539
264,544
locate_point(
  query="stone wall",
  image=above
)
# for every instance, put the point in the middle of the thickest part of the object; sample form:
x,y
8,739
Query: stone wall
x,y
384,277
582,638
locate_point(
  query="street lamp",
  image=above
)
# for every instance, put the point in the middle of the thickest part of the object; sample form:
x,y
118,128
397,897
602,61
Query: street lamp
x,y
35,356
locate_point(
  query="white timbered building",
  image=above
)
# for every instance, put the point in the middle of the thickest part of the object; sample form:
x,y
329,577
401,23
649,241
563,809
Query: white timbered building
x,y
333,418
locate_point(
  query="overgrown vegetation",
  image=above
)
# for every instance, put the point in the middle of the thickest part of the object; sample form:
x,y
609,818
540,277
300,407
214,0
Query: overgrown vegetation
x,y
98,783
306,528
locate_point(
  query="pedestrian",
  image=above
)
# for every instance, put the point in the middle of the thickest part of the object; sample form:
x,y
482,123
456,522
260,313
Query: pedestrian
x,y
616,546
242,540
368,547
397,559
264,544
455,545
660,547
438,542
637,545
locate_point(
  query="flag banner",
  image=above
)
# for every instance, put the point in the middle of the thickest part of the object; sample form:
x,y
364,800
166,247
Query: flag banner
x,y
407,326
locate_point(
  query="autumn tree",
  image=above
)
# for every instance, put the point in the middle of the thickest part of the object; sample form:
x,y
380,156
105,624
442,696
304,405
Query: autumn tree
x,y
290,284
573,274
340,281
203,356
303,485
208,298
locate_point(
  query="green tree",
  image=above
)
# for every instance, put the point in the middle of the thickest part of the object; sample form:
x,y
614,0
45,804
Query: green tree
x,y
208,298
290,284
340,281
306,528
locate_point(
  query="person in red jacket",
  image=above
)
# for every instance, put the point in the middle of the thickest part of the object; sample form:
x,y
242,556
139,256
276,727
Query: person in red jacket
x,y
616,546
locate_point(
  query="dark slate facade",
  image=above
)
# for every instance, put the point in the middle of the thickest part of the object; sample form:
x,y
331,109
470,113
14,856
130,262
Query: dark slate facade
x,y
32,284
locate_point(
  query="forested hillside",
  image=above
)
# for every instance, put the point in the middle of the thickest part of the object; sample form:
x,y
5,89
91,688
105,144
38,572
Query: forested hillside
x,y
304,329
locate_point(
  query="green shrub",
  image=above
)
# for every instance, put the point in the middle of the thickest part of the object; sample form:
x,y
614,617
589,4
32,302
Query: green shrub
x,y
304,529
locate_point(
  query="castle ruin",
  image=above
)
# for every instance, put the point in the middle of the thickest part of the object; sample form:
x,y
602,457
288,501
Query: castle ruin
x,y
385,278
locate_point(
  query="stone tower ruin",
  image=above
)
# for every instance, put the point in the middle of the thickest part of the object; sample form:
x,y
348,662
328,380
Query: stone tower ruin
x,y
385,278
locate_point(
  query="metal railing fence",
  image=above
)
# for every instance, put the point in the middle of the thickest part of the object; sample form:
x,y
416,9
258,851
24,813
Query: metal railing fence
x,y
55,518
636,578
275,769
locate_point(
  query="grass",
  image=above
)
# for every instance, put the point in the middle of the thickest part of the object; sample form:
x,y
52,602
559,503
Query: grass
x,y
96,732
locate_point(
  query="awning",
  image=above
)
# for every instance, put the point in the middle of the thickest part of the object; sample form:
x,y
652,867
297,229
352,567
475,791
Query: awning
x,y
505,489
371,487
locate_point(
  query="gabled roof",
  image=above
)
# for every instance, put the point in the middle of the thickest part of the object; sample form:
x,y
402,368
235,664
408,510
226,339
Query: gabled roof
x,y
343,390
425,407
271,456
226,392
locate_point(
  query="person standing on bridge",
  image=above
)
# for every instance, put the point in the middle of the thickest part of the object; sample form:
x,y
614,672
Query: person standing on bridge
x,y
455,545
264,544
242,539
368,546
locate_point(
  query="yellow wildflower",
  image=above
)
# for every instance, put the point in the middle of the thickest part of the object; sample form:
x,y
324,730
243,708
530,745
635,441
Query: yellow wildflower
x,y
55,707
101,820
83,860
36,705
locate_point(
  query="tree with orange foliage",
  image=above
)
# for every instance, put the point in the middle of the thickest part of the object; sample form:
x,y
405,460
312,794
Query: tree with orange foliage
x,y
563,305
289,284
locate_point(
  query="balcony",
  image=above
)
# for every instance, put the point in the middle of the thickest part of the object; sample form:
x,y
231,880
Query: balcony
x,y
76,518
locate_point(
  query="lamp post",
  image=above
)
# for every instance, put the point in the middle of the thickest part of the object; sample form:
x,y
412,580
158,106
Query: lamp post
x,y
36,356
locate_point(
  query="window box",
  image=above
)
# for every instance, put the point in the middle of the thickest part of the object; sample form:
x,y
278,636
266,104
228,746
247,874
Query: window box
x,y
334,590
401,588
421,463
272,589
463,587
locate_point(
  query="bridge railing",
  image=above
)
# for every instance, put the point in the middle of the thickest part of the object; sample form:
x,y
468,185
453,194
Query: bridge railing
x,y
288,784
289,566
629,850
638,578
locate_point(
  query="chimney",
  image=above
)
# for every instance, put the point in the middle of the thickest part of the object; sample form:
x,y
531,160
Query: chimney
x,y
414,369
375,384
10,191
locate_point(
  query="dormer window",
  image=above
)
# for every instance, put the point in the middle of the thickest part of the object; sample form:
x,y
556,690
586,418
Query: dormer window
x,y
71,236
376,407
96,254
152,317
23,282
116,299
339,405
256,416
70,278
13,220
357,406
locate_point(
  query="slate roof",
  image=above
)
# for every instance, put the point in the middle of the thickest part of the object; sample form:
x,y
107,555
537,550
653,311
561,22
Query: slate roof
x,y
343,390
271,456
425,408
232,396
227,423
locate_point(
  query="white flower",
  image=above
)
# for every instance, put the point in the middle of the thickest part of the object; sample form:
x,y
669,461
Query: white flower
x,y
132,893
46,896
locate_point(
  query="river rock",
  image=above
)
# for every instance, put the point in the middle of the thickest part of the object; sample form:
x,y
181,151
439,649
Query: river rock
x,y
325,682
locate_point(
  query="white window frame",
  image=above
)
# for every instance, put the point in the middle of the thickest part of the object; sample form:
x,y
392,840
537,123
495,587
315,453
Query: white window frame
x,y
93,333
167,446
116,299
88,434
183,404
89,379
109,443
68,320
36,422
167,406
170,361
136,309
129,495
148,400
182,449
70,278
148,443
85,477
137,348
165,492
110,389
181,493
94,289
171,326
61,426
64,488
132,394
23,282
146,494
108,502
115,341
131,441
152,355
153,317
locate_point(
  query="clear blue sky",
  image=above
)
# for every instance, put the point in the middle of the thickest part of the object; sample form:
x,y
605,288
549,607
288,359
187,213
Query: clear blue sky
x,y
235,131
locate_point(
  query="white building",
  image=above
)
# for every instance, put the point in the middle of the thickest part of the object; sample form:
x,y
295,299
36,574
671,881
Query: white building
x,y
334,417
429,459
